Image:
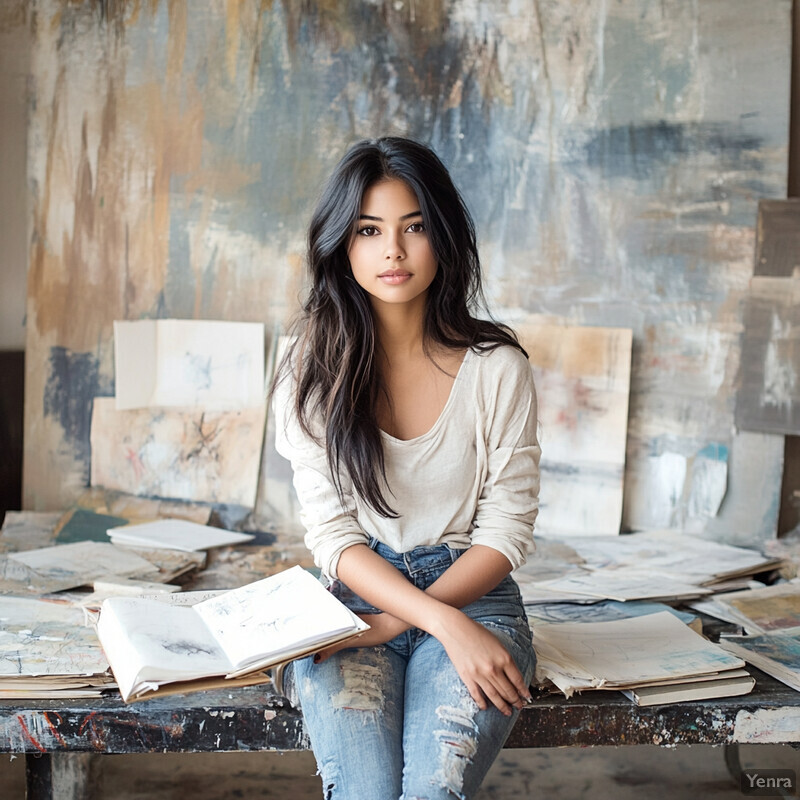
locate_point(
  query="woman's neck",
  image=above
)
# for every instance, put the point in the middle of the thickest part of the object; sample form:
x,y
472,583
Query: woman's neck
x,y
399,328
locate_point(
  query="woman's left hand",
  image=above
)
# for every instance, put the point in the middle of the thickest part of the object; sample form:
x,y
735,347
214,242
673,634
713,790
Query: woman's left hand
x,y
382,628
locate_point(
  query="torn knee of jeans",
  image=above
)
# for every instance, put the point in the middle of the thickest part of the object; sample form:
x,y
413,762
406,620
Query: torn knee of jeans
x,y
457,745
362,683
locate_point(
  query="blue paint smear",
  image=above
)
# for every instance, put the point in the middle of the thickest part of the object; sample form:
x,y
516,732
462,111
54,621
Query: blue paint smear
x,y
637,151
73,382
715,452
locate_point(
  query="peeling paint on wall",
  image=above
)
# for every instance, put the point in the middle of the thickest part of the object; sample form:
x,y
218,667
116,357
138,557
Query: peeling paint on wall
x,y
612,153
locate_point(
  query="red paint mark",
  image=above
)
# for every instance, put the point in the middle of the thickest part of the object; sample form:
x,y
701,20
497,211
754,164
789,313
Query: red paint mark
x,y
53,728
136,463
94,737
28,734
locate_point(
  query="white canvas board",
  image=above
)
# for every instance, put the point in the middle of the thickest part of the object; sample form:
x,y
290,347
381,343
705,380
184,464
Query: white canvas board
x,y
186,454
188,363
582,379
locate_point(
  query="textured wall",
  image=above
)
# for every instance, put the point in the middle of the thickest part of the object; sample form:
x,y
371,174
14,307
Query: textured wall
x,y
613,153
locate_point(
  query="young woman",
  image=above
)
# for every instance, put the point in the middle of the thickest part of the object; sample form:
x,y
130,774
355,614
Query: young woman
x,y
411,428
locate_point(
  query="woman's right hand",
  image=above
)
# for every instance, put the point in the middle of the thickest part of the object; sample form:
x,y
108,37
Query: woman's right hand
x,y
482,662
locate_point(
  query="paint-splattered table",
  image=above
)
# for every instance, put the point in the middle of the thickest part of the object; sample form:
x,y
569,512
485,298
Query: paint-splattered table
x,y
62,739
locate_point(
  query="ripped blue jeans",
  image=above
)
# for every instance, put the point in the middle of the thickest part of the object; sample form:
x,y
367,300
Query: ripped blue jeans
x,y
397,721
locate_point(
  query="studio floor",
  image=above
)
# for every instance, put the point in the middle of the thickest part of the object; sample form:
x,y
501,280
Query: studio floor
x,y
622,773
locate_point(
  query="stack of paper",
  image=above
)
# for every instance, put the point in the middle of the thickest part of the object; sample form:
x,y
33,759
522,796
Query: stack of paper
x,y
771,615
49,650
655,565
175,534
628,654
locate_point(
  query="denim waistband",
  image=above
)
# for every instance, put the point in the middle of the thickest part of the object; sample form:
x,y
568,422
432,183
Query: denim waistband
x,y
421,559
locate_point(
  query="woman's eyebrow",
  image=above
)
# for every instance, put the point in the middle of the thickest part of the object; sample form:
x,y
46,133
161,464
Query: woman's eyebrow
x,y
380,219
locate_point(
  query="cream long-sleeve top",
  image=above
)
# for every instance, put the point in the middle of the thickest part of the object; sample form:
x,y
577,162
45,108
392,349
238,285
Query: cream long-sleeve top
x,y
473,478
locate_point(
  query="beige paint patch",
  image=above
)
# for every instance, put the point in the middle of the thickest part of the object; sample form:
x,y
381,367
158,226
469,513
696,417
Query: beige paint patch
x,y
767,726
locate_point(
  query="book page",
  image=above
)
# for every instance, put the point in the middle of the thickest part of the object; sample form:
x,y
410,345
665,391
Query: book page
x,y
148,642
275,618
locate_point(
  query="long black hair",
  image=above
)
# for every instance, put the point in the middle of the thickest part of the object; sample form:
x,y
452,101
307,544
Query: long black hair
x,y
333,356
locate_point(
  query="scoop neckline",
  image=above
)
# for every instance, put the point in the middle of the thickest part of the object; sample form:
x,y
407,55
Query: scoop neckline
x,y
444,412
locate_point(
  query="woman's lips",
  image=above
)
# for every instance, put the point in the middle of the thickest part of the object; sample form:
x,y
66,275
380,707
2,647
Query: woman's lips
x,y
394,276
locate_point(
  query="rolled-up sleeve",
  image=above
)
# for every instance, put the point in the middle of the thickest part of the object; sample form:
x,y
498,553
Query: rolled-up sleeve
x,y
509,500
331,526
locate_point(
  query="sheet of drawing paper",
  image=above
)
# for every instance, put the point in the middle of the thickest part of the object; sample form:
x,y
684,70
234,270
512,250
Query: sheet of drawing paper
x,y
209,456
694,559
81,562
582,379
768,398
24,530
625,584
45,638
191,363
765,610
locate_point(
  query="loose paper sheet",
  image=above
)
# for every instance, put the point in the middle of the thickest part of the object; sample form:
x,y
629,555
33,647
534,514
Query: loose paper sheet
x,y
191,363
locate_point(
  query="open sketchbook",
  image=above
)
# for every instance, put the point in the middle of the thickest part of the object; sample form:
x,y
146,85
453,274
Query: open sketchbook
x,y
243,631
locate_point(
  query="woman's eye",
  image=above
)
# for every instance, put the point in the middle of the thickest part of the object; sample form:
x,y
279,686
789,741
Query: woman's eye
x,y
367,230
416,227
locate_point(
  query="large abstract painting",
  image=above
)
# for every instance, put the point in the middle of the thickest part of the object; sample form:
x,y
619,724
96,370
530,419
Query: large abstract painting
x,y
613,154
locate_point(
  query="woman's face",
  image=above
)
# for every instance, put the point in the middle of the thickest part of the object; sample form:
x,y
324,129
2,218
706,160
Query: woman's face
x,y
390,254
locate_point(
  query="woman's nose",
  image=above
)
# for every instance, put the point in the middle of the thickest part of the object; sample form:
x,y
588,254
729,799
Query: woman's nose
x,y
394,249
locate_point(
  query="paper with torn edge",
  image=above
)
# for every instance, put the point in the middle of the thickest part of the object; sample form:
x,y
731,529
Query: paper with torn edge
x,y
209,456
176,534
190,363
625,653
150,643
